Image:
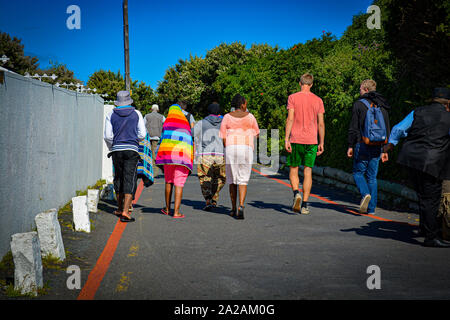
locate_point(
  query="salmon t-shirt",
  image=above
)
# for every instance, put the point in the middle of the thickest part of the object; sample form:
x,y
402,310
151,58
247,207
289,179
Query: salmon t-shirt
x,y
306,107
239,131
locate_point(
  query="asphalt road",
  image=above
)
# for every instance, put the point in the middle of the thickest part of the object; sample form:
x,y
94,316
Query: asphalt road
x,y
272,254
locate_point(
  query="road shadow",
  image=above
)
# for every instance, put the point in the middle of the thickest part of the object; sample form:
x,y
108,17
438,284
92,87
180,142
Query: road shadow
x,y
199,205
388,230
272,206
107,206
338,208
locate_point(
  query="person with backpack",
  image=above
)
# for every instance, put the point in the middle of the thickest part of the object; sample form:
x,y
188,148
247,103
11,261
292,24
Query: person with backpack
x,y
154,123
368,132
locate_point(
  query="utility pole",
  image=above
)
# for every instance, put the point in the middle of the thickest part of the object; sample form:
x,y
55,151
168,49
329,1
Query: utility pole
x,y
126,46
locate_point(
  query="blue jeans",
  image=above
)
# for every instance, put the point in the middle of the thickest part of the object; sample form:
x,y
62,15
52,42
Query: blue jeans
x,y
365,170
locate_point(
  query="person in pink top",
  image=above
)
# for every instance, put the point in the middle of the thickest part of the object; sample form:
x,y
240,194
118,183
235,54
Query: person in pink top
x,y
304,123
238,131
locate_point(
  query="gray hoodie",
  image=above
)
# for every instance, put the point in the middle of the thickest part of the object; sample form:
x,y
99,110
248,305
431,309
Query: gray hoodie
x,y
206,134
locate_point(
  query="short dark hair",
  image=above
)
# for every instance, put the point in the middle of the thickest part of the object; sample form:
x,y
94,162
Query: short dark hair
x,y
237,101
182,104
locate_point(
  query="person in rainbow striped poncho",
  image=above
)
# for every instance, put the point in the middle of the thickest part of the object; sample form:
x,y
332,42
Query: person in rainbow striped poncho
x,y
175,156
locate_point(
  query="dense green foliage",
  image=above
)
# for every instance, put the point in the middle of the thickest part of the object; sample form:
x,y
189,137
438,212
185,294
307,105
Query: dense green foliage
x,y
13,49
108,82
407,57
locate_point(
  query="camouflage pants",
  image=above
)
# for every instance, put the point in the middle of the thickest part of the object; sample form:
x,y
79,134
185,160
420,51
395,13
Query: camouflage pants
x,y
212,176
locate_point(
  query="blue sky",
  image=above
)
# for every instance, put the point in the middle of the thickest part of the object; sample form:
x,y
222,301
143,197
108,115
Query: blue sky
x,y
162,32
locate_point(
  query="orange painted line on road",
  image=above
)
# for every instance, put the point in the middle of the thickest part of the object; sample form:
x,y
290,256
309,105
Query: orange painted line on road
x,y
101,267
335,203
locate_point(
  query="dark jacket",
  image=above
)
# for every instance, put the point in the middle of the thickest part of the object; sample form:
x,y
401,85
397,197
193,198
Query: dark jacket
x,y
359,116
427,146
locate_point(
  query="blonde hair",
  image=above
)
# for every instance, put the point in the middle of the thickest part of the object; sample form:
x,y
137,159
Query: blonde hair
x,y
307,79
369,84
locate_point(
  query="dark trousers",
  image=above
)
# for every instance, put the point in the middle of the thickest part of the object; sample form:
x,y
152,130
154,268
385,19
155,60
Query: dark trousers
x,y
125,171
429,191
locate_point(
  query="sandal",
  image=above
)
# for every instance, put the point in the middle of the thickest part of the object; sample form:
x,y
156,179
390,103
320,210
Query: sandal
x,y
164,212
178,217
126,219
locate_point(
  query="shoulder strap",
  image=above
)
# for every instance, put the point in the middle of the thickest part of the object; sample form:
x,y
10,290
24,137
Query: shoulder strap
x,y
366,103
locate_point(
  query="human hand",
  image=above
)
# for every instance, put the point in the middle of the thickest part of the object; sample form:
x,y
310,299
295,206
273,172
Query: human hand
x,y
350,152
384,157
288,146
320,149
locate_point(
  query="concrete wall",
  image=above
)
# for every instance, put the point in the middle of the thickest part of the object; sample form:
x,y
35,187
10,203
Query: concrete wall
x,y
50,147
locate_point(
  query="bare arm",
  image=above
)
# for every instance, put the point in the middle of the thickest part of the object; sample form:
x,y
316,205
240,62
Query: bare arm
x,y
289,123
321,134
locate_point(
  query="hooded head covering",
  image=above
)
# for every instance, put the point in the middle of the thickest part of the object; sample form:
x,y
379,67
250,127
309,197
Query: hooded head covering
x,y
176,146
214,109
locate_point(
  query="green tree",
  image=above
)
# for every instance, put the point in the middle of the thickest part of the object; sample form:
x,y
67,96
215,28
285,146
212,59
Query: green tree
x,y
64,75
13,49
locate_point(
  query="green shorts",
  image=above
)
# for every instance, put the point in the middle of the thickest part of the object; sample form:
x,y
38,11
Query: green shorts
x,y
302,155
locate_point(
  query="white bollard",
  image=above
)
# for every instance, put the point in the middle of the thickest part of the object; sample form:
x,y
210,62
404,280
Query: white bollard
x,y
49,232
26,251
81,214
92,200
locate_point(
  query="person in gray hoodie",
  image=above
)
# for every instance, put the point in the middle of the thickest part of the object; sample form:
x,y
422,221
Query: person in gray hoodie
x,y
211,157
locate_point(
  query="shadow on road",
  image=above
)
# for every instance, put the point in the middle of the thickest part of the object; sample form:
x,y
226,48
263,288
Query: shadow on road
x,y
199,205
272,206
334,207
387,230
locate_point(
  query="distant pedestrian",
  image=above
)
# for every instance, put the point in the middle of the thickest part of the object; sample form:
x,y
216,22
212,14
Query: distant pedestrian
x,y
188,115
367,134
175,155
124,128
211,158
304,122
154,123
426,154
238,131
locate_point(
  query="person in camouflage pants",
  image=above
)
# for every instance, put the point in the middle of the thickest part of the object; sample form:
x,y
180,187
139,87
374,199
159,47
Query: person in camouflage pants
x,y
211,158
211,173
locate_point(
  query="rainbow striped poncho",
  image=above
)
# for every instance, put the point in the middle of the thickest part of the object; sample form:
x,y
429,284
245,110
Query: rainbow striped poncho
x,y
176,145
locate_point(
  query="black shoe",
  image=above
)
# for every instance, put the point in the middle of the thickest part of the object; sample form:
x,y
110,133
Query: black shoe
x,y
208,207
127,220
240,213
436,243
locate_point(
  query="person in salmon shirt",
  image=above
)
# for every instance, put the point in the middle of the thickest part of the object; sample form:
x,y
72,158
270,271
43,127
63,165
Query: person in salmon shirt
x,y
238,131
304,123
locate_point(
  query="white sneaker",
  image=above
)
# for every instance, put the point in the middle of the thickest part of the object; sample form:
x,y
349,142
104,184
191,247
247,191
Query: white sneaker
x,y
364,203
297,203
305,210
